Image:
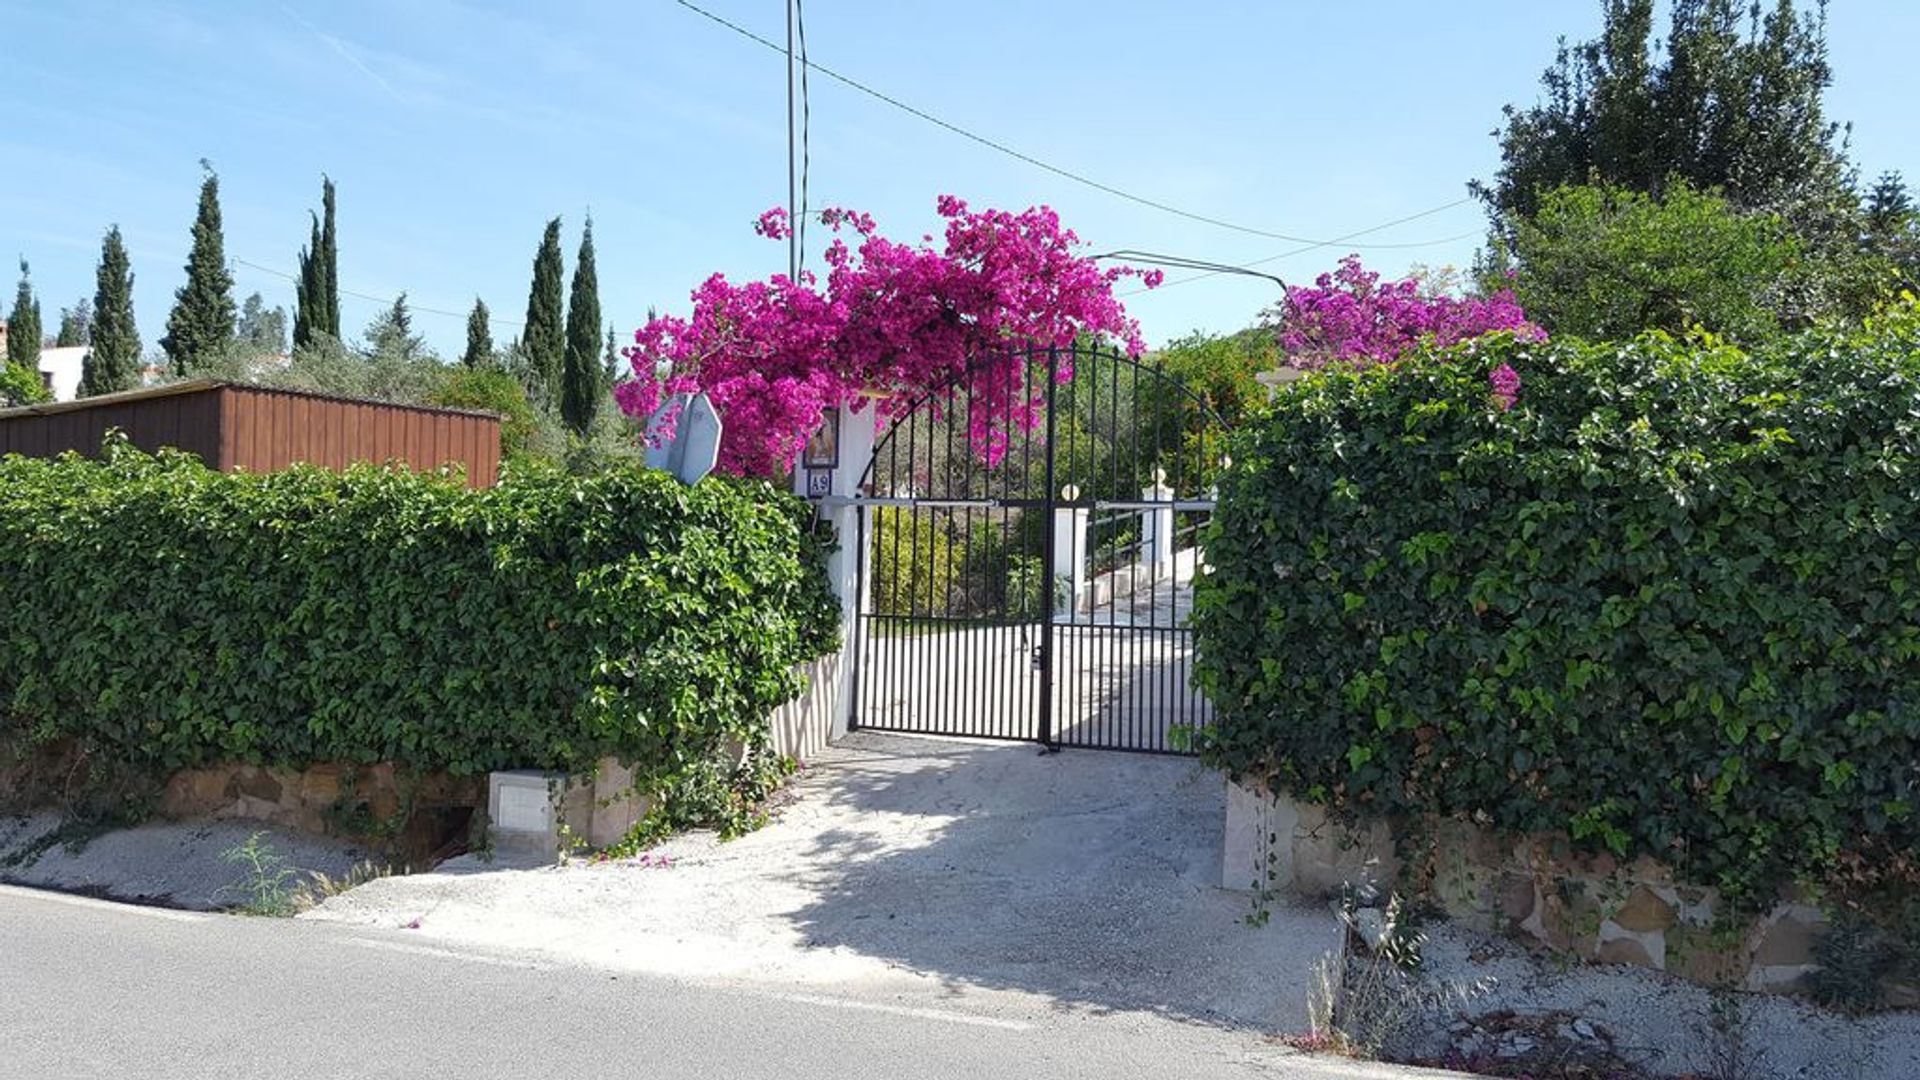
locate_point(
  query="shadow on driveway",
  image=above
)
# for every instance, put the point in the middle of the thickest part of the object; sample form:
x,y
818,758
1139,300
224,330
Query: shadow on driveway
x,y
911,866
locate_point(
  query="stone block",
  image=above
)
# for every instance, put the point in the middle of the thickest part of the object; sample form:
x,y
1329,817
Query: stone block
x,y
617,807
1619,946
1645,912
258,784
196,793
320,785
1700,955
1785,939
1515,897
1258,851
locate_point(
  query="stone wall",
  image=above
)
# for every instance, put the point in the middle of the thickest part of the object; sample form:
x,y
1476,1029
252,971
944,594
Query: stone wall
x,y
407,816
1538,890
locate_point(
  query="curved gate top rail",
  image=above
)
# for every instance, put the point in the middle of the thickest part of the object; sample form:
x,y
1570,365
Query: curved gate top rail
x,y
1027,546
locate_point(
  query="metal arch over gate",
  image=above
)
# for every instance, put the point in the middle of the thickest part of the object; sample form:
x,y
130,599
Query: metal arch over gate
x,y
1027,548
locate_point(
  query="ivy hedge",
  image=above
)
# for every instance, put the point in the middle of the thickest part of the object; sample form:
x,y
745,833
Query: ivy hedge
x,y
165,615
1668,604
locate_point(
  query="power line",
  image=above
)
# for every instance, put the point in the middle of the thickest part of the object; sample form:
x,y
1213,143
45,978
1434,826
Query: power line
x,y
1304,248
1030,159
378,299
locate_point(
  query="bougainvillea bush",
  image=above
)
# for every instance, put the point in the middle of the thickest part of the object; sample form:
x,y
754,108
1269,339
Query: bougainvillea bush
x,y
1349,317
1667,602
890,317
157,613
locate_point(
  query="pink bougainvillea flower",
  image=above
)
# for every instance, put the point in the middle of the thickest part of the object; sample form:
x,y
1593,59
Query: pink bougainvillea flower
x,y
774,224
1506,386
1349,316
901,319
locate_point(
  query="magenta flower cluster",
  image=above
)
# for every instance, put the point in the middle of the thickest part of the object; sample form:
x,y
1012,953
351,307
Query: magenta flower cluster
x,y
1506,386
890,319
1350,316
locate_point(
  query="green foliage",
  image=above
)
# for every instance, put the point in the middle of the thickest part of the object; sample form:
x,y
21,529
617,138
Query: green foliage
x,y
495,391
316,308
915,567
1603,262
200,328
23,326
1727,104
380,615
1893,230
1215,388
544,337
267,884
391,335
113,362
581,389
479,351
19,386
76,324
263,332
1669,603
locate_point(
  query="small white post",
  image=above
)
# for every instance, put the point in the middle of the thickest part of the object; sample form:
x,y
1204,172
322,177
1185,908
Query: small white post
x,y
1069,555
1156,525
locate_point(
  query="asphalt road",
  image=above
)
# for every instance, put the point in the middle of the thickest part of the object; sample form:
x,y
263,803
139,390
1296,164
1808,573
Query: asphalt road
x,y
95,990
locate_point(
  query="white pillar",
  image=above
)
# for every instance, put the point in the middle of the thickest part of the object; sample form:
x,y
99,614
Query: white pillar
x,y
844,565
1156,525
1069,556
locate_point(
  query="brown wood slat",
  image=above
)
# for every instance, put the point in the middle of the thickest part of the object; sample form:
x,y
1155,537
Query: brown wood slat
x,y
262,430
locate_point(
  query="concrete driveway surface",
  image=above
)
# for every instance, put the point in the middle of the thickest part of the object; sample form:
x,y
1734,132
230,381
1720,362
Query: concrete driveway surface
x,y
988,877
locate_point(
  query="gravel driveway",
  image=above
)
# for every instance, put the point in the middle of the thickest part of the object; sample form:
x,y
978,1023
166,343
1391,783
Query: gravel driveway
x,y
907,867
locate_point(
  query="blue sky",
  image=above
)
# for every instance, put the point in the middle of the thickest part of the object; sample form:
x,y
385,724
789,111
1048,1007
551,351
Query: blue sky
x,y
455,129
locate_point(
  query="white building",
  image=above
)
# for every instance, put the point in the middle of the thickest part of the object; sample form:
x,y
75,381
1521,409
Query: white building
x,y
60,371
59,368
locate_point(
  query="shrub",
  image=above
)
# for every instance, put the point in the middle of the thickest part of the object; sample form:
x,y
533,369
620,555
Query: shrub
x,y
166,615
1606,262
495,391
915,567
20,386
1668,603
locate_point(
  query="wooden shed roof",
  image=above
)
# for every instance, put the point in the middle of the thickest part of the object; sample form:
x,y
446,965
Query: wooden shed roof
x,y
197,386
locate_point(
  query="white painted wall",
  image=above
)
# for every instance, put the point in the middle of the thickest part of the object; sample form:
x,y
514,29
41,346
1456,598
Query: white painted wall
x,y
819,716
61,368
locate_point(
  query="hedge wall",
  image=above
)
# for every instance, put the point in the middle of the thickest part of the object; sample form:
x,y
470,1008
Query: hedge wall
x,y
1669,603
167,615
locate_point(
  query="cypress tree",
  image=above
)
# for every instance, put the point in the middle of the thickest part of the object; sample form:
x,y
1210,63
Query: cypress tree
x,y
544,337
327,278
479,352
113,363
201,325
612,360
75,324
23,326
581,388
307,316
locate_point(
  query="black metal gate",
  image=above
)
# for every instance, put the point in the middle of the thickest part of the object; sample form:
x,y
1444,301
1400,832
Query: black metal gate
x,y
1027,546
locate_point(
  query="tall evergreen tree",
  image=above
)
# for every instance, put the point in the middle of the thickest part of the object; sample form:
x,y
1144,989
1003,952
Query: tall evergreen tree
x,y
391,336
75,324
544,339
328,278
23,325
611,361
316,306
201,326
1726,106
263,332
113,363
580,382
479,352
307,316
